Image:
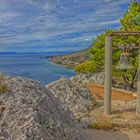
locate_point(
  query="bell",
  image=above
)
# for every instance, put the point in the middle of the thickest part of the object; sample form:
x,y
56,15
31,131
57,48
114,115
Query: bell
x,y
124,63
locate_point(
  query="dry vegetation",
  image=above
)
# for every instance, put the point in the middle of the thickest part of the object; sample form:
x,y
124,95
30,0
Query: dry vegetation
x,y
103,123
3,85
123,117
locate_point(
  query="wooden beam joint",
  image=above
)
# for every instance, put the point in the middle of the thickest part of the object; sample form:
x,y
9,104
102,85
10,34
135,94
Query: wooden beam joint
x,y
133,33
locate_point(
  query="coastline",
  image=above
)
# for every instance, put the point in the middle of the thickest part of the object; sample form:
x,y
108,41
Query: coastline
x,y
60,63
63,65
70,60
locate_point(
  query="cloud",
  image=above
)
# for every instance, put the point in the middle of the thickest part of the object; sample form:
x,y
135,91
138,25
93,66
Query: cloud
x,y
46,24
45,4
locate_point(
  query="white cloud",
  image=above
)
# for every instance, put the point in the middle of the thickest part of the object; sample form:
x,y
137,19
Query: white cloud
x,y
56,21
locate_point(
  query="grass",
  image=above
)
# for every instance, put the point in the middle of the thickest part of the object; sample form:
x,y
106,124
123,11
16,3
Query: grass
x,y
102,124
3,88
3,85
2,76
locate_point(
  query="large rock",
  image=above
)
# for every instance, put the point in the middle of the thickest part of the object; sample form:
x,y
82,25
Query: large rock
x,y
28,111
96,78
83,79
76,97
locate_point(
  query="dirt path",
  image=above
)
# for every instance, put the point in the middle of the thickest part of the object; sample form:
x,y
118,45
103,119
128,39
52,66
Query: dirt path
x,y
93,134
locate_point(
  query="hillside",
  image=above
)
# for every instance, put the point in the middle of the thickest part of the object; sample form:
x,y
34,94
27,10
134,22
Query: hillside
x,y
71,60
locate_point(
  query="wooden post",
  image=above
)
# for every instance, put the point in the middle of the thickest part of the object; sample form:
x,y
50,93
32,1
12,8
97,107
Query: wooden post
x,y
138,88
108,75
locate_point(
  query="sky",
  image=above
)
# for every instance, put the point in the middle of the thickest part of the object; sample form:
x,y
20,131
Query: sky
x,y
56,25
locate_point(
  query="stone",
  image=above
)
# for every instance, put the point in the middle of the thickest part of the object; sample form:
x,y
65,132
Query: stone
x,y
74,96
86,122
29,111
97,78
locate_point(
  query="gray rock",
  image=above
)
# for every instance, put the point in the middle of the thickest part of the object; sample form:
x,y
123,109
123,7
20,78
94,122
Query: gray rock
x,y
99,78
28,111
83,79
76,97
85,122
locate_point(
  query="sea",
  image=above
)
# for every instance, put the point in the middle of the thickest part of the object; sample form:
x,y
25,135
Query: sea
x,y
33,66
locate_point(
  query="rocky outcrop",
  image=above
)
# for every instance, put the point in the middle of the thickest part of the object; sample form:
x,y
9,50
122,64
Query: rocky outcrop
x,y
84,79
76,97
28,111
97,78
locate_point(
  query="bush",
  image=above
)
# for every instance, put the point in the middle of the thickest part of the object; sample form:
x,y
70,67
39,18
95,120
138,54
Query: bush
x,y
86,67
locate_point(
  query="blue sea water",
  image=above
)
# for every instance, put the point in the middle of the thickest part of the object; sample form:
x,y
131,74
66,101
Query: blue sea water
x,y
33,66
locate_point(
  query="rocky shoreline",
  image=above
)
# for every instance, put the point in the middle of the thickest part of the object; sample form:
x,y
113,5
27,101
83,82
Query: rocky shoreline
x,y
62,61
71,60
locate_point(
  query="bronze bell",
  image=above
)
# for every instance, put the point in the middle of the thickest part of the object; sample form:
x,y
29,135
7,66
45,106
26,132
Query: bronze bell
x,y
125,63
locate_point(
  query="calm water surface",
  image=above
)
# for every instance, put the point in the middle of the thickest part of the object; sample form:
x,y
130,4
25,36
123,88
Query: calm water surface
x,y
33,66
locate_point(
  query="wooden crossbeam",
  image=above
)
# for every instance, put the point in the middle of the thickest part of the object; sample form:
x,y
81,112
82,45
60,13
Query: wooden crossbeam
x,y
132,33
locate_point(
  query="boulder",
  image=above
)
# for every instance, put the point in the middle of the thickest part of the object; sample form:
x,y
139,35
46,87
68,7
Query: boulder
x,y
83,79
73,95
29,111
